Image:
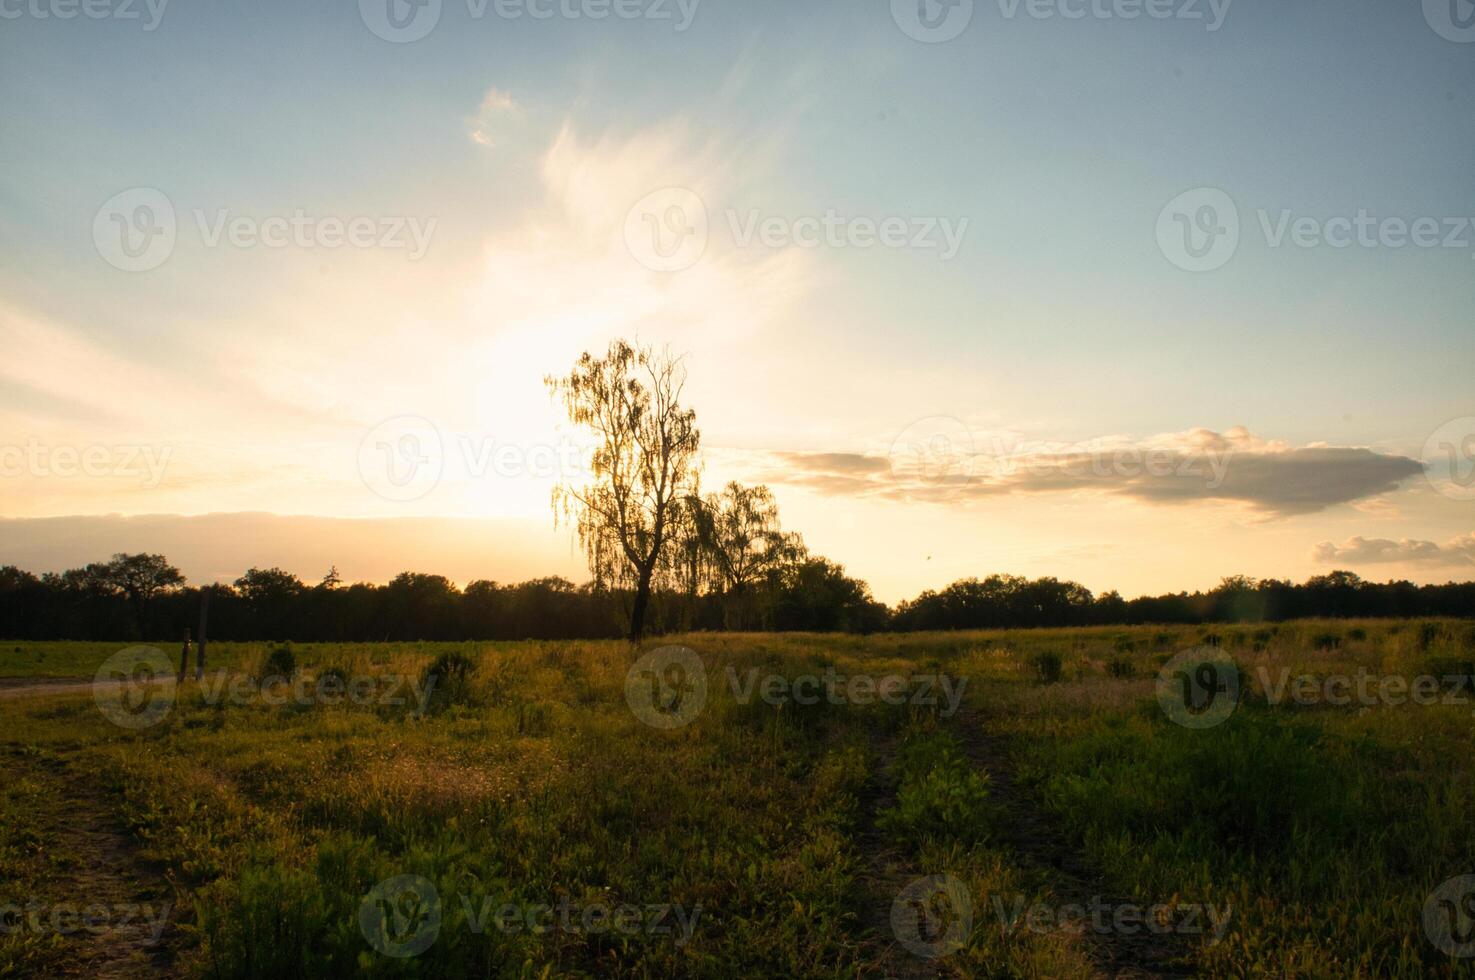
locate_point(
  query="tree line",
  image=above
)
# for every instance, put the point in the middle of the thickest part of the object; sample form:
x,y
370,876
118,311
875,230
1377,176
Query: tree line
x,y
152,602
143,597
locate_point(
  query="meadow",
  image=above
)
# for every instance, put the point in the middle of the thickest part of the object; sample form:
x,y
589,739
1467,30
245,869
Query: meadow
x,y
996,803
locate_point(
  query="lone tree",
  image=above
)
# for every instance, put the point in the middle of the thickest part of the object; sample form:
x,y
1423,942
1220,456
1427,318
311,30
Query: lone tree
x,y
140,578
644,465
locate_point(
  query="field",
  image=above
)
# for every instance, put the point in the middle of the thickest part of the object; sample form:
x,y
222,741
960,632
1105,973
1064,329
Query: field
x,y
1026,803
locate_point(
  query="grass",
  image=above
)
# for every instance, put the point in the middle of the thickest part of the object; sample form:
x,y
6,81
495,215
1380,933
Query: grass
x,y
527,780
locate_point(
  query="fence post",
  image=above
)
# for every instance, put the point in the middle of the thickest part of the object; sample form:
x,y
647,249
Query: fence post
x,y
184,656
204,622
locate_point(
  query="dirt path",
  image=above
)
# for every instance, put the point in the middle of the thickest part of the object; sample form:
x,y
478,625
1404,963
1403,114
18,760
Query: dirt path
x,y
1038,842
887,871
124,909
26,687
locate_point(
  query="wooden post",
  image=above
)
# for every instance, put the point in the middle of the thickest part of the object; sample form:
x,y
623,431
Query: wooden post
x,y
204,621
184,656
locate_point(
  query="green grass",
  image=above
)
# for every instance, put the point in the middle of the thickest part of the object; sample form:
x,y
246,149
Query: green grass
x,y
529,780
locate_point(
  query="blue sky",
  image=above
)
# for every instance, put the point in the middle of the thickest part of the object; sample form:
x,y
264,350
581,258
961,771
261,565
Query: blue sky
x,y
1059,320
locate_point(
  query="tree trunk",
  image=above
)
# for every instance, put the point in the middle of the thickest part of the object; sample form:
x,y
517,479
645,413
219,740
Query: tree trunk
x,y
642,600
141,618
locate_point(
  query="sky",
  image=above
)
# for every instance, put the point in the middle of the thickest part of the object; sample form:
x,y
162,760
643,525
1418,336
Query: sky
x,y
1139,293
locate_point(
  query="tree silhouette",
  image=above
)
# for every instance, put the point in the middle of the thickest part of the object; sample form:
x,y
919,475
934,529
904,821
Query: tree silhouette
x,y
140,578
644,465
740,532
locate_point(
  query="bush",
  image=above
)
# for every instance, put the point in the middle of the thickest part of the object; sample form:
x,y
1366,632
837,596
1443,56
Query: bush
x,y
1428,634
1326,641
280,663
448,678
1357,634
1047,667
1120,667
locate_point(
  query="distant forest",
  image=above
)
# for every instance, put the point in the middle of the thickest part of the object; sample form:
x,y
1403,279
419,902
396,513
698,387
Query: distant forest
x,y
135,597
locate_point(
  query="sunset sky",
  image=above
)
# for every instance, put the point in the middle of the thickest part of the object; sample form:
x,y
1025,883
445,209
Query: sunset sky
x,y
1027,375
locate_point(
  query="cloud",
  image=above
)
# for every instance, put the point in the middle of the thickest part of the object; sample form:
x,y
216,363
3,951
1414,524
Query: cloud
x,y
1375,551
496,103
945,463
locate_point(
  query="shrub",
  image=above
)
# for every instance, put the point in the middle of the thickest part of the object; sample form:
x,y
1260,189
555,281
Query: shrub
x,y
1120,667
1326,641
1047,666
451,668
447,677
280,663
1428,634
1212,639
1357,634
